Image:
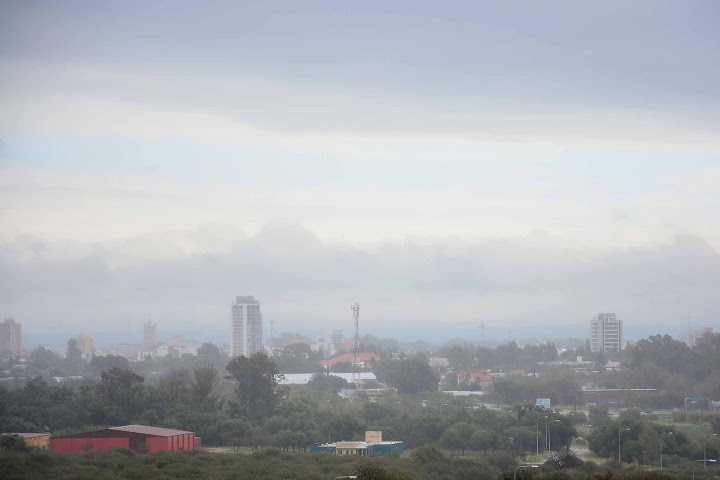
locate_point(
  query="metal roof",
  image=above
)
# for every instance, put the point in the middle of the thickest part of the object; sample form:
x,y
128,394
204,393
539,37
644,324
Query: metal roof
x,y
29,435
351,445
155,431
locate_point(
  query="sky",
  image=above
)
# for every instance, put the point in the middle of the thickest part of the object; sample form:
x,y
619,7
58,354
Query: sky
x,y
524,165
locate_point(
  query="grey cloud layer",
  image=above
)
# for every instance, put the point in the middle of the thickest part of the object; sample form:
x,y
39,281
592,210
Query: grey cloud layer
x,y
370,66
307,285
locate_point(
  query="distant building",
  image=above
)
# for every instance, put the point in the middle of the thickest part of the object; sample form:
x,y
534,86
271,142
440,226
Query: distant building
x,y
10,338
335,341
177,346
699,332
149,338
482,378
372,446
131,351
439,362
39,440
86,345
135,437
364,358
606,333
246,333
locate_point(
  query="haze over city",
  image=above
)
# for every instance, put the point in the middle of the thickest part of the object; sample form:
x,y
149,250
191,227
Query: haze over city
x,y
520,166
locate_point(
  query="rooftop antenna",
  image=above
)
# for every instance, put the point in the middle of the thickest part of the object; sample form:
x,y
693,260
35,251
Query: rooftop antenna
x,y
482,334
356,343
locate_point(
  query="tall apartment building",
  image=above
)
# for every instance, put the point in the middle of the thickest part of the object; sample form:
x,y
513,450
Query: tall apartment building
x,y
149,338
246,335
85,344
10,338
606,333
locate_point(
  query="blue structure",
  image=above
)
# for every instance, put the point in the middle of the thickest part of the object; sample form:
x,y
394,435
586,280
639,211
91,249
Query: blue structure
x,y
325,447
387,448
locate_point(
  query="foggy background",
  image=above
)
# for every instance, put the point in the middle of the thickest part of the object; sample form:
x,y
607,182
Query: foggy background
x,y
520,166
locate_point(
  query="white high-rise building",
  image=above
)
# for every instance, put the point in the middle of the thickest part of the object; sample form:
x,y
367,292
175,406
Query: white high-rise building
x,y
699,332
10,338
150,338
606,333
246,335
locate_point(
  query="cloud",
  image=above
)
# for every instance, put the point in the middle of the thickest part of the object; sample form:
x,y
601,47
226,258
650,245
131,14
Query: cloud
x,y
306,284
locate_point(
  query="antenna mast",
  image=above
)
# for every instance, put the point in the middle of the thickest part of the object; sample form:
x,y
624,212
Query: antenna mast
x,y
356,343
482,334
272,336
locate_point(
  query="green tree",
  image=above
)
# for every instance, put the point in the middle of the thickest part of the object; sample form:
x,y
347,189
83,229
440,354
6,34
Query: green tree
x,y
74,355
209,351
649,440
43,358
411,376
451,440
256,383
122,389
204,386
369,470
327,383
481,440
373,412
459,358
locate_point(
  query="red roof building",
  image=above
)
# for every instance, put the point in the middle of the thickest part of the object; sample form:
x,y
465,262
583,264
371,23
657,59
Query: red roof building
x,y
481,376
135,437
365,358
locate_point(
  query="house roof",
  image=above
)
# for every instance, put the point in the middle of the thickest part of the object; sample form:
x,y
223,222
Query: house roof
x,y
365,357
154,431
481,376
29,435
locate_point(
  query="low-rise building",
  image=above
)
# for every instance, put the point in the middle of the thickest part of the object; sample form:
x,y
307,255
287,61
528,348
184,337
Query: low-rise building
x,y
38,440
372,446
365,359
482,378
135,437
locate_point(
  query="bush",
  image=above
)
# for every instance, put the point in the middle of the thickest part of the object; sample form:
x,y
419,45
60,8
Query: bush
x,y
12,443
367,470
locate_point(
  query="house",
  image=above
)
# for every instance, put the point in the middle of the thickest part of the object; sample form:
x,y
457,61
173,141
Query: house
x,y
482,377
364,358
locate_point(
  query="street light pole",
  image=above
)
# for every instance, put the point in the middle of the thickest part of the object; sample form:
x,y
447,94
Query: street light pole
x,y
537,435
704,461
619,432
522,466
705,444
661,435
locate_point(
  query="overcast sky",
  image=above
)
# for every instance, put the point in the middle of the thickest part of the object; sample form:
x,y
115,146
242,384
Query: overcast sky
x,y
512,163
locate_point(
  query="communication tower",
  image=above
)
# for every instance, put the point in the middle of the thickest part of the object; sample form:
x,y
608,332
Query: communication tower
x,y
356,343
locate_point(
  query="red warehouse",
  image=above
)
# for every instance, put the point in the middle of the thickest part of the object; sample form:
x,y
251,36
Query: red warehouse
x,y
134,437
